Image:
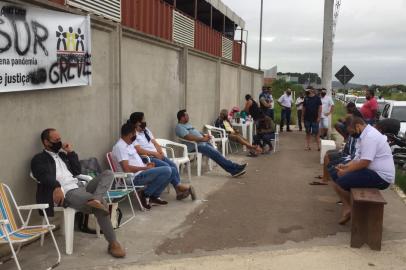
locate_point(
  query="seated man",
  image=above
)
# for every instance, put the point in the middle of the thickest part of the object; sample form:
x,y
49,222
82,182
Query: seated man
x,y
188,132
55,169
372,167
265,133
340,125
156,179
233,135
146,145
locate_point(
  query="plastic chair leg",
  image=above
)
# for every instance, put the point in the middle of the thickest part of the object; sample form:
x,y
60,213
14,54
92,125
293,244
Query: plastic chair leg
x,y
223,147
69,222
199,164
189,172
44,222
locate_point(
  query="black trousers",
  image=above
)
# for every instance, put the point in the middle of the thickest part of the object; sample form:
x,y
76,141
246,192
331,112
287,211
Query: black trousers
x,y
299,119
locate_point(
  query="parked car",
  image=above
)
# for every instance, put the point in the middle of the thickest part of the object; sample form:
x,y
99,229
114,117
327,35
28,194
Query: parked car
x,y
350,98
396,110
359,102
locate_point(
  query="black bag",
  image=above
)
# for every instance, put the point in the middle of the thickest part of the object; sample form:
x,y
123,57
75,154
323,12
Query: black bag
x,y
87,222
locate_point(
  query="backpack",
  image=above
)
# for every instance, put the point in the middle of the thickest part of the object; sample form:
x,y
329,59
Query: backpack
x,y
87,222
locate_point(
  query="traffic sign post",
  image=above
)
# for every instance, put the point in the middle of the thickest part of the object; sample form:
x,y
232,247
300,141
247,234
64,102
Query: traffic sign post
x,y
344,75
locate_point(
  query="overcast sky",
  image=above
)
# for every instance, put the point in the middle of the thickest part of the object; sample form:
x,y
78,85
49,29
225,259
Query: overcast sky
x,y
370,37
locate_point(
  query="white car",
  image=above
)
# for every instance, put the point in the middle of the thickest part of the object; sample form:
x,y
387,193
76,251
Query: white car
x,y
396,110
349,98
359,102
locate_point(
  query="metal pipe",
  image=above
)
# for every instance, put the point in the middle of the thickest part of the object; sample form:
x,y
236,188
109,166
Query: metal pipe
x,y
260,36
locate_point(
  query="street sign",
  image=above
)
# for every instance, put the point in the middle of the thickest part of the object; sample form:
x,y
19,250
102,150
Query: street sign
x,y
344,75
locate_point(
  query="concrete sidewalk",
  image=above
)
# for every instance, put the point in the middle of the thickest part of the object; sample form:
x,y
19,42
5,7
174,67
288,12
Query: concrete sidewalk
x,y
270,218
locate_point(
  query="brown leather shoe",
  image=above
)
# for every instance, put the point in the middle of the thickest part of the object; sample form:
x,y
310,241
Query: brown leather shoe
x,y
116,250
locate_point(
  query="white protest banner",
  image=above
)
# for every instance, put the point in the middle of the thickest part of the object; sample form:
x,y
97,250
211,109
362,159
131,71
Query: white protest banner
x,y
41,49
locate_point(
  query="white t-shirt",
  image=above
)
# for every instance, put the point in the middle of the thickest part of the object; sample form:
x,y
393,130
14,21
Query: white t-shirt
x,y
373,146
286,100
143,142
326,104
300,101
123,151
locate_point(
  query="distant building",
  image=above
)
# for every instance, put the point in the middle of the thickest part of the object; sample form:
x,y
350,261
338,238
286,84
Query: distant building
x,y
289,78
270,75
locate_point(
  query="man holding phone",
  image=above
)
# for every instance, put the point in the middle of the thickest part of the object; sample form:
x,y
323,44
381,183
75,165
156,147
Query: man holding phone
x,y
56,169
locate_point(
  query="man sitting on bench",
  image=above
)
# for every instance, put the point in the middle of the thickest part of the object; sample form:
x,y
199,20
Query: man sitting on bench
x,y
372,167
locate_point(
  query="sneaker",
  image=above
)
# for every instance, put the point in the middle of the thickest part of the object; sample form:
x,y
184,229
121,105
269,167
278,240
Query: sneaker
x,y
243,166
239,173
144,200
157,201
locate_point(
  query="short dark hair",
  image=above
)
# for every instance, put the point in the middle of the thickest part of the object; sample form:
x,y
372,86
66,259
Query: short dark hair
x,y
248,97
350,105
352,121
309,87
127,128
371,92
180,114
45,134
136,117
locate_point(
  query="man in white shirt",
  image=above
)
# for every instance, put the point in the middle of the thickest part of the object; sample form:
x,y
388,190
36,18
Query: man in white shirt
x,y
285,101
55,170
372,167
146,145
299,108
155,179
327,105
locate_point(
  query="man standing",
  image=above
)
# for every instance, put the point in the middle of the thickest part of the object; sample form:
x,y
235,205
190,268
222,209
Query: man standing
x,y
266,100
370,107
311,117
55,169
186,131
299,107
327,110
145,144
285,101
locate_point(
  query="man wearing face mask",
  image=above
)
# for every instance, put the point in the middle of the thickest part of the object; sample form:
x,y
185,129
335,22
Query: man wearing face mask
x,y
55,169
370,107
372,167
155,179
285,101
146,145
327,110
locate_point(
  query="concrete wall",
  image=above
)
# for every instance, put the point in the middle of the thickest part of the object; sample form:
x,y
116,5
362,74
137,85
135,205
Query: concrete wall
x,y
131,72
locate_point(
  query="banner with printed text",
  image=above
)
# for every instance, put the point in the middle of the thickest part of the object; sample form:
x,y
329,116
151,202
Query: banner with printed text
x,y
41,49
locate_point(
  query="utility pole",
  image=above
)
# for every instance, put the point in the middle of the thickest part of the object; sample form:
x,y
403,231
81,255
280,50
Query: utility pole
x,y
260,35
327,58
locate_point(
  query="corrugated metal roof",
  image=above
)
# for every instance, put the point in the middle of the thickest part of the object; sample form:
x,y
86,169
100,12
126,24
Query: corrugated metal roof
x,y
219,5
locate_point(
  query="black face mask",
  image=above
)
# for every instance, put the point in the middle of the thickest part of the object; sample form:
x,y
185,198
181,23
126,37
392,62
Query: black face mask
x,y
133,138
368,98
143,125
55,147
356,135
323,94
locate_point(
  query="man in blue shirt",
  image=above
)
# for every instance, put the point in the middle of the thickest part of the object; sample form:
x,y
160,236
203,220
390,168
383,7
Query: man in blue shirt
x,y
186,131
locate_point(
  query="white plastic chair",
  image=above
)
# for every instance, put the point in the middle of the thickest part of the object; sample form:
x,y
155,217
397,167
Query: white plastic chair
x,y
184,159
198,156
13,233
275,141
68,225
222,137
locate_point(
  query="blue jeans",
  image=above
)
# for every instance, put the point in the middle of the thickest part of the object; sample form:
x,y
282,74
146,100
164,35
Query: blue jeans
x,y
364,178
175,178
209,151
156,180
285,115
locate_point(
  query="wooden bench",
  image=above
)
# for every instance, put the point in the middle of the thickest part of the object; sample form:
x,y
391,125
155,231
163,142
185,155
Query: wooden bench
x,y
367,217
